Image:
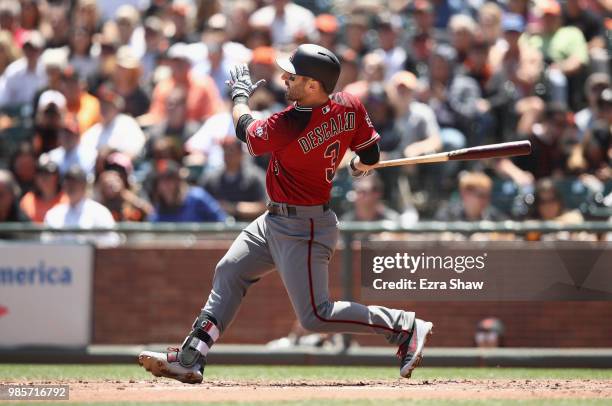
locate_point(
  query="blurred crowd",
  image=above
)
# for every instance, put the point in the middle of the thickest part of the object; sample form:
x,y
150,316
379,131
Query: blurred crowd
x,y
117,111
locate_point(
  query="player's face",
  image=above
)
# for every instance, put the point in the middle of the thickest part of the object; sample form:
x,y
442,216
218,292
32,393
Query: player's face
x,y
296,86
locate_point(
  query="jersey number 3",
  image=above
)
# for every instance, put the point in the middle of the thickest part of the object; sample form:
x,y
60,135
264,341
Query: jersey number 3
x,y
332,152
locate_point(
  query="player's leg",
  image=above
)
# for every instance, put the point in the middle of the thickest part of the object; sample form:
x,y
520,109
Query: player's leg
x,y
302,249
247,260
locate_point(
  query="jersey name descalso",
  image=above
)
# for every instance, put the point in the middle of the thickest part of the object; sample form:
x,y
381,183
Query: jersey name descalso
x,y
327,130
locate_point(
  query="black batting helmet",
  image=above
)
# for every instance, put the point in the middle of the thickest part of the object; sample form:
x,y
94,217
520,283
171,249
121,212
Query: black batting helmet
x,y
315,62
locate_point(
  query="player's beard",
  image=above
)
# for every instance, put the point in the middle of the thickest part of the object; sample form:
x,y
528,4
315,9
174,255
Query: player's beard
x,y
293,94
289,95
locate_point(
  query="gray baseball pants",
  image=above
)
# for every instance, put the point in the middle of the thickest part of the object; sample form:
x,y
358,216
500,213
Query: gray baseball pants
x,y
300,248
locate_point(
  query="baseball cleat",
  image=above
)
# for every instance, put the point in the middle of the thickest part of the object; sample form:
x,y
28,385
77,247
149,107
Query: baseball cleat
x,y
410,352
166,364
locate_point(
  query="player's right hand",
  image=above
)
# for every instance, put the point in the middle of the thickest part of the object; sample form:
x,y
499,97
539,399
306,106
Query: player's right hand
x,y
240,82
355,172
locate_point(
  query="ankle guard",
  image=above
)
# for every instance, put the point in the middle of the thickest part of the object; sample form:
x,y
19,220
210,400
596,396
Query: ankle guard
x,y
203,335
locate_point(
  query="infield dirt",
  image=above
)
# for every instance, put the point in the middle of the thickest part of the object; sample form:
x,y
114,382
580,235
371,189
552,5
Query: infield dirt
x,y
159,390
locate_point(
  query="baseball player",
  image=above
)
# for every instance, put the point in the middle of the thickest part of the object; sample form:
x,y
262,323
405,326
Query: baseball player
x,y
298,233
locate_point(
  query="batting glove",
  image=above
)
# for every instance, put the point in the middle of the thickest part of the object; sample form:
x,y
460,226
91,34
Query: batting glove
x,y
240,82
357,173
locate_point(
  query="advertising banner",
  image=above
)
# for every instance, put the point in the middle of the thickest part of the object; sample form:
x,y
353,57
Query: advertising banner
x,y
45,294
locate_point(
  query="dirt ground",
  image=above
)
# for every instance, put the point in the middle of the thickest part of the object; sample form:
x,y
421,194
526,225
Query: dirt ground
x,y
225,390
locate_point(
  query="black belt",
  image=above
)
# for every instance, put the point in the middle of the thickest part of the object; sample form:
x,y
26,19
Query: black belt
x,y
283,210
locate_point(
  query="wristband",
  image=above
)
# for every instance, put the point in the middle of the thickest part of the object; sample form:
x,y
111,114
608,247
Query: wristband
x,y
240,99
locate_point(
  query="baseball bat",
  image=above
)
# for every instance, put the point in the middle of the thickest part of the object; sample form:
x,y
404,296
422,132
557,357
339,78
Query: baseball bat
x,y
503,150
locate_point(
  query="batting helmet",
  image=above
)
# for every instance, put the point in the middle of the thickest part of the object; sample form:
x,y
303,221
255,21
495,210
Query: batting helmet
x,y
315,62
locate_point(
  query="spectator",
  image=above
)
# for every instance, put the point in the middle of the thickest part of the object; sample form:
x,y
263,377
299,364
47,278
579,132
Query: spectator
x,y
594,153
564,49
131,33
175,201
369,205
206,142
216,65
9,199
109,9
381,113
155,46
23,166
123,204
71,152
205,10
576,13
423,14
491,88
239,187
238,27
355,28
349,68
46,193
126,83
285,19
420,53
548,204
549,149
475,204
81,104
107,44
86,14
389,35
80,211
180,15
423,37
161,149
463,31
595,84
445,10
452,96
221,53
373,71
116,130
490,21
119,163
263,66
489,333
49,121
80,57
533,89
30,17
202,96
218,30
327,31
8,51
415,121
176,126
57,15
9,20
477,65
259,37
522,8
54,62
505,54
22,78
